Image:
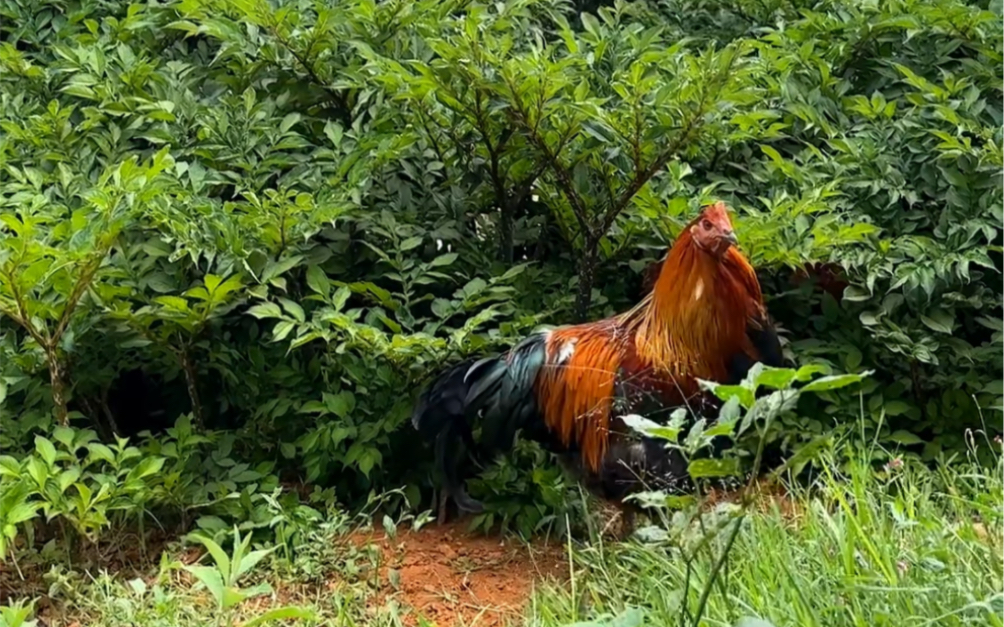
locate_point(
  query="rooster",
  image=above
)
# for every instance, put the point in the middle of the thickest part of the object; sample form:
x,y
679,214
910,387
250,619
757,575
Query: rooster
x,y
568,387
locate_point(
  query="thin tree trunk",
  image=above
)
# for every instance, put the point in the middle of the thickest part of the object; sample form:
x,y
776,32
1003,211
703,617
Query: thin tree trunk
x,y
58,388
587,276
106,408
193,390
506,211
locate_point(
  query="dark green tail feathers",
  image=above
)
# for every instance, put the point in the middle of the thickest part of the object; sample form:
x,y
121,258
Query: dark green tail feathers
x,y
498,391
440,416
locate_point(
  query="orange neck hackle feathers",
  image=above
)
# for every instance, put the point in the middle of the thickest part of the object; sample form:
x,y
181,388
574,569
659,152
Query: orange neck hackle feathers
x,y
695,317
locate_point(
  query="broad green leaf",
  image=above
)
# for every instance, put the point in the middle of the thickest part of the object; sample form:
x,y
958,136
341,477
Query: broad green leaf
x,y
211,579
249,561
232,597
938,320
173,302
744,396
318,281
280,614
265,310
288,122
63,435
333,131
218,554
896,407
340,297
834,382
776,378
45,449
806,372
98,450
340,404
444,260
410,243
905,438
441,308
294,309
591,24
149,466
282,329
705,468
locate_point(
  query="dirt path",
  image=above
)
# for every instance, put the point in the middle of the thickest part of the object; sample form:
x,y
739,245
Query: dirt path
x,y
452,577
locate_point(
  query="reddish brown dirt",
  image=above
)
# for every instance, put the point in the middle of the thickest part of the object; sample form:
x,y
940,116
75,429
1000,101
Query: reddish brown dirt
x,y
452,577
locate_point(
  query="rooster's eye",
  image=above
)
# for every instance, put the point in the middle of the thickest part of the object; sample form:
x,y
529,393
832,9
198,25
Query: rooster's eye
x,y
706,225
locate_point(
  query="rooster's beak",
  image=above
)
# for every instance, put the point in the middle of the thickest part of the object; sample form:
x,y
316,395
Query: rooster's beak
x,y
730,237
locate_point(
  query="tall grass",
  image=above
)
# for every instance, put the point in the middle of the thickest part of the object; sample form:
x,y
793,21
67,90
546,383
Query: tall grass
x,y
907,546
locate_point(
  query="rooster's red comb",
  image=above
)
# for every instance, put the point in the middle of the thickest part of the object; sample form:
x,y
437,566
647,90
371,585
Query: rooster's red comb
x,y
717,214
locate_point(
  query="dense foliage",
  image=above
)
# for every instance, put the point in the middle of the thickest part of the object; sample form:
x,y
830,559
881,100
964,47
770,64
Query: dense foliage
x,y
253,229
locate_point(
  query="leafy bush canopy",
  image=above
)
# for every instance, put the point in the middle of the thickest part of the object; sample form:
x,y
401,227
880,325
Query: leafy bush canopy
x,y
278,219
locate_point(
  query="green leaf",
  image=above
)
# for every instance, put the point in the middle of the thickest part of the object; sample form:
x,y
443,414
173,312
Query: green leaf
x,y
288,122
249,561
281,613
172,302
333,131
282,329
670,432
833,382
939,320
294,309
726,392
212,282
38,471
149,466
340,404
905,438
218,554
806,372
410,243
474,286
100,451
318,281
704,468
721,428
63,435
45,449
443,260
232,597
896,408
274,269
211,579
591,24
853,293
776,378
441,308
68,477
265,310
341,296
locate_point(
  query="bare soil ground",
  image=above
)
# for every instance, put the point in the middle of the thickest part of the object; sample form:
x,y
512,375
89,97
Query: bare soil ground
x,y
452,577
442,573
